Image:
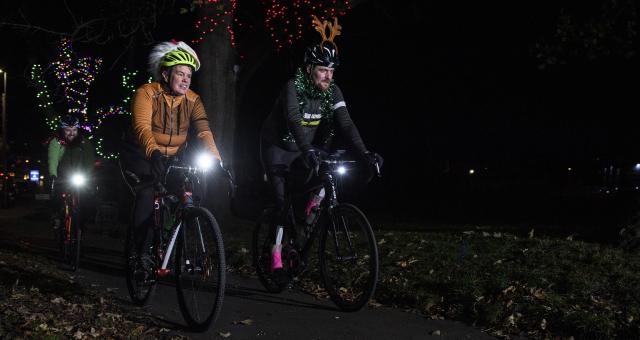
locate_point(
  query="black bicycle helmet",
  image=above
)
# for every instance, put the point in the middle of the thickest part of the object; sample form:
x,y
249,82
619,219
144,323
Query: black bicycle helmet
x,y
69,121
322,55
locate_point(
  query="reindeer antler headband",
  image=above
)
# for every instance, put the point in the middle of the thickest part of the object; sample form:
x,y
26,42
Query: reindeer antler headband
x,y
321,27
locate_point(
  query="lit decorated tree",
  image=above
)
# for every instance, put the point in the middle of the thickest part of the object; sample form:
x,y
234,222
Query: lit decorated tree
x,y
74,76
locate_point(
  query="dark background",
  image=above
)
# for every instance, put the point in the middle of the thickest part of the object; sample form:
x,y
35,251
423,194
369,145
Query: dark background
x,y
438,89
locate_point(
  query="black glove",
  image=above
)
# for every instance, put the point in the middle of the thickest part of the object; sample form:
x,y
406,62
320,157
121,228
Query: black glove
x,y
310,158
226,170
157,164
373,158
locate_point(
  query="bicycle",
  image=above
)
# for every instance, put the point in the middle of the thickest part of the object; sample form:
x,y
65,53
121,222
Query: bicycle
x,y
69,235
348,252
180,224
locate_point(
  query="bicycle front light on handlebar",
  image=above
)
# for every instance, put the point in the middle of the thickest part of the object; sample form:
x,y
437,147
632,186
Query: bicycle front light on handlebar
x,y
341,170
204,161
78,179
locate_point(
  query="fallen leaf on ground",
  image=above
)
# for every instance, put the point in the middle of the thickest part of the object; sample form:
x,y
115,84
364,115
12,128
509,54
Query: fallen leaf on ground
x,y
58,300
246,322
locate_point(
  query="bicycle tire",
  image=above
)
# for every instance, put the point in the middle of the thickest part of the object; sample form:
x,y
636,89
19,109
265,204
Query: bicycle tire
x,y
200,269
262,242
70,238
63,236
351,280
139,290
76,233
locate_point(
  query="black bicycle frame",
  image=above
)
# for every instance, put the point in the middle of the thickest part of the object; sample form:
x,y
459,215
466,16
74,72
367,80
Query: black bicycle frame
x,y
328,179
185,200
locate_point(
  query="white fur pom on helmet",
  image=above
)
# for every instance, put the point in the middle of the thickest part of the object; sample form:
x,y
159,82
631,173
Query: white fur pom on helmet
x,y
170,53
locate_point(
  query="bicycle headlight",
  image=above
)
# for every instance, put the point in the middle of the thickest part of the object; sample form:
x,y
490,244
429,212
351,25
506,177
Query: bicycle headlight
x,y
78,179
204,161
341,170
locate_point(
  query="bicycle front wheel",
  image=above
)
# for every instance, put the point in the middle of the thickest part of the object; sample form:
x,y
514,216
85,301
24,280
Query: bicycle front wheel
x,y
70,239
76,234
200,268
348,258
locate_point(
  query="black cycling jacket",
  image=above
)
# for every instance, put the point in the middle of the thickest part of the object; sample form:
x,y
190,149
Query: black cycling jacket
x,y
297,122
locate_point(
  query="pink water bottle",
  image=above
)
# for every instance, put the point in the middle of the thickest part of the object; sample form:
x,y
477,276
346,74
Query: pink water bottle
x,y
313,206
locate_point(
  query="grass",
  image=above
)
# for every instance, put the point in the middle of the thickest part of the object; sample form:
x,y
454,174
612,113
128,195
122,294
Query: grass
x,y
510,285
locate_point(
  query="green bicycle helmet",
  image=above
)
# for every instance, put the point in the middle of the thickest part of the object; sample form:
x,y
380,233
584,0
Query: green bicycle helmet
x,y
171,53
180,57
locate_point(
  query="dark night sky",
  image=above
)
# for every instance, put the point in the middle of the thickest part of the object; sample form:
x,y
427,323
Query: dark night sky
x,y
428,82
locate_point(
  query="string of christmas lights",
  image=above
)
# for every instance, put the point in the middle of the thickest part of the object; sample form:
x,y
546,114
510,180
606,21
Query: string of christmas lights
x,y
104,114
223,16
287,20
44,100
127,84
100,150
75,75
101,116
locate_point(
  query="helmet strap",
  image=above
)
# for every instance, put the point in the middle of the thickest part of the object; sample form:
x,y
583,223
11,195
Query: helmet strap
x,y
166,74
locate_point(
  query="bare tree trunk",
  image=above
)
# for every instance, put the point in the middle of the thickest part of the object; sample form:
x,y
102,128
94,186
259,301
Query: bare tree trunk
x,y
217,87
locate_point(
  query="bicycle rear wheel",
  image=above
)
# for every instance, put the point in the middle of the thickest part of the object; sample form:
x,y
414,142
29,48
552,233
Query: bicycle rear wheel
x,y
263,240
140,283
348,258
200,269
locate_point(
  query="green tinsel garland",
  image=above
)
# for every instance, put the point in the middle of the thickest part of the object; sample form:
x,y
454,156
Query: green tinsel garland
x,y
305,86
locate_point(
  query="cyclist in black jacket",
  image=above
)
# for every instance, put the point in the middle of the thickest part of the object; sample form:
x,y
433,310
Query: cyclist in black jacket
x,y
306,115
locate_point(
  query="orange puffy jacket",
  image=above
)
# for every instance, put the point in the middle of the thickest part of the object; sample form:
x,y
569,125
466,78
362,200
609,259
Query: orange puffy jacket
x,y
161,121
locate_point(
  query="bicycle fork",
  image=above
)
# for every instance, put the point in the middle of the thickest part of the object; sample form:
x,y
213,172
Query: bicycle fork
x,y
349,249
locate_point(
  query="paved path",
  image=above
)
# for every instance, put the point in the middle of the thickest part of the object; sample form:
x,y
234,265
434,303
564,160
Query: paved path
x,y
289,315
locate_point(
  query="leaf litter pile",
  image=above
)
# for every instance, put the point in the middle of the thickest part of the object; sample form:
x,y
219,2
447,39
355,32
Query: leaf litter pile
x,y
528,286
37,300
